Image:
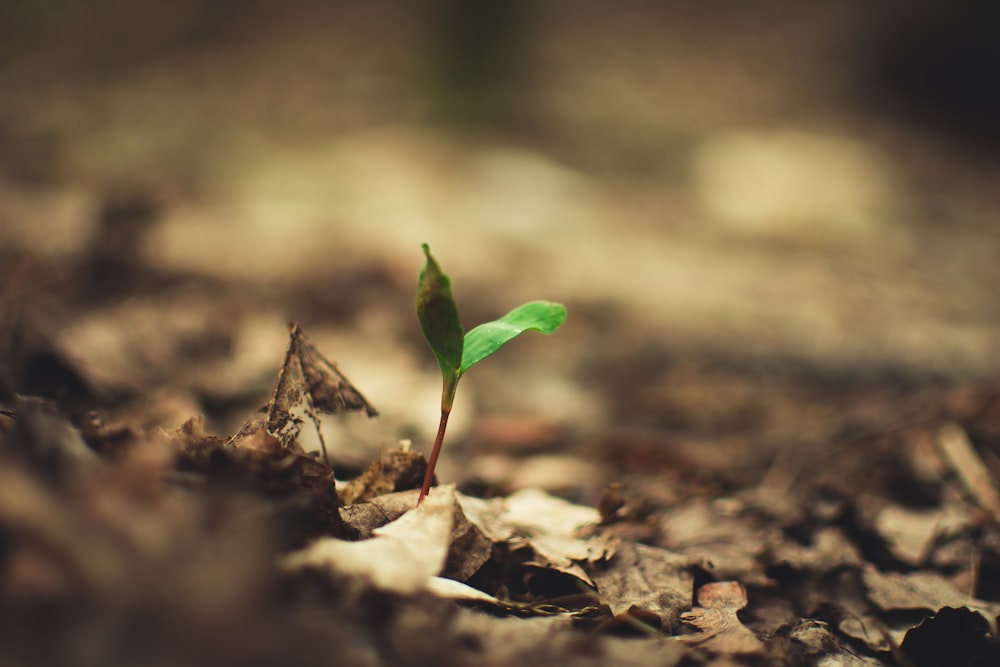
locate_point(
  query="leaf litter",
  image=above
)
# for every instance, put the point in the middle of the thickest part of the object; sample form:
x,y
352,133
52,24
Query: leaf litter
x,y
258,530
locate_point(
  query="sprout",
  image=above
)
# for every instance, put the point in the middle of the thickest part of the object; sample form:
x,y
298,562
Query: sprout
x,y
457,351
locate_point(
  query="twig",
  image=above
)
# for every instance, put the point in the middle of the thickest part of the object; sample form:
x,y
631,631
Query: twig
x,y
957,450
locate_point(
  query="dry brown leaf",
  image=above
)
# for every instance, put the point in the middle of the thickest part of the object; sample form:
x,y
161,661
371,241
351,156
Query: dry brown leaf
x,y
329,391
830,549
364,517
478,525
641,581
264,454
398,470
308,384
721,534
716,617
546,641
401,557
870,631
909,533
891,591
255,460
815,643
470,547
547,525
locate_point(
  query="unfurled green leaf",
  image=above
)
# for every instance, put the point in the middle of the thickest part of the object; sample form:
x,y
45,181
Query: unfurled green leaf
x,y
487,338
438,317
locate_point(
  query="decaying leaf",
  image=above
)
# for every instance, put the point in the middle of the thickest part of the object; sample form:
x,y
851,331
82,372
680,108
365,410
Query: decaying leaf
x,y
716,618
550,526
328,390
812,642
255,461
366,516
401,557
308,384
468,548
542,525
910,534
398,470
829,549
924,590
718,533
547,527
544,513
905,602
551,640
868,630
644,583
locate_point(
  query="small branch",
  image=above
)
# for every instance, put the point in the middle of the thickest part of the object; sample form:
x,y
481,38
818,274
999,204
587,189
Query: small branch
x,y
977,479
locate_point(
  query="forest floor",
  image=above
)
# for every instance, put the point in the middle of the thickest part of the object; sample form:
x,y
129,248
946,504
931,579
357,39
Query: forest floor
x,y
768,433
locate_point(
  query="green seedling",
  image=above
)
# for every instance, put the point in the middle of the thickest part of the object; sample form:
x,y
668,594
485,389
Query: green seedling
x,y
458,351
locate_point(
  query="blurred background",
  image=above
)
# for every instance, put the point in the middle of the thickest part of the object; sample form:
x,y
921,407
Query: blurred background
x,y
745,207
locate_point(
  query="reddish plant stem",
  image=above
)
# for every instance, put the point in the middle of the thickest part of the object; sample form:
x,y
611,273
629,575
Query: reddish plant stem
x,y
435,452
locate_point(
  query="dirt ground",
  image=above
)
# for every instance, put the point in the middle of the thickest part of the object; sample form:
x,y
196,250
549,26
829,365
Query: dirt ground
x,y
768,432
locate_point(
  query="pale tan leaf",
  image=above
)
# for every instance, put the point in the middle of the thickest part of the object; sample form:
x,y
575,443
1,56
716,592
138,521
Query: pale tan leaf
x,y
401,557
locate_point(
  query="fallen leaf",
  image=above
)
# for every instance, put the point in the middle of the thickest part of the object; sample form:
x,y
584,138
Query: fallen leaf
x,y
716,618
308,384
721,534
812,642
255,461
641,581
470,548
329,391
892,591
364,517
909,533
401,557
398,470
829,549
925,593
544,525
865,629
541,512
543,641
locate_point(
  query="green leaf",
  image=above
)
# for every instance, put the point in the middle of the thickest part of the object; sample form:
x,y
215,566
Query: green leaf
x,y
438,317
487,338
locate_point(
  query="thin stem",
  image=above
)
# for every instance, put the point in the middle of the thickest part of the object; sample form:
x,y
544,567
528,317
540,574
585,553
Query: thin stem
x,y
435,452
